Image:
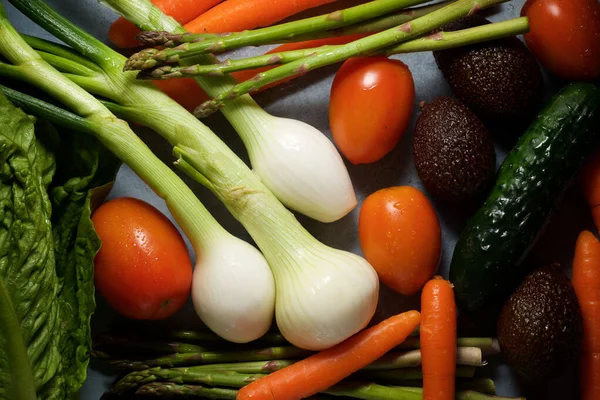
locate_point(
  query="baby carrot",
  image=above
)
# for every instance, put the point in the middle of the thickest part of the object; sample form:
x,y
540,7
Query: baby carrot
x,y
323,370
239,15
586,281
438,340
590,181
122,32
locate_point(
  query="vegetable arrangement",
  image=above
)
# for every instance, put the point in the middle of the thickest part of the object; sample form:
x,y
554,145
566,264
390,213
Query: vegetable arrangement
x,y
321,299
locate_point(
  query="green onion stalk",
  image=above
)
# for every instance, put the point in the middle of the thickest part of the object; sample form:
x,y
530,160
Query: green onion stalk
x,y
205,233
293,159
310,277
433,42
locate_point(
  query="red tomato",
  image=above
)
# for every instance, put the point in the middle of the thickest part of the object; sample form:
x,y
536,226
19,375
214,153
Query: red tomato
x,y
143,268
401,238
370,107
565,36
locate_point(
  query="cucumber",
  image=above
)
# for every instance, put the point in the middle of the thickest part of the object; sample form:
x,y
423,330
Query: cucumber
x,y
486,265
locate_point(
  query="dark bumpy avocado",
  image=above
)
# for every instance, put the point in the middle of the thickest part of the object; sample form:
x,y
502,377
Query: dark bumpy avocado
x,y
453,152
499,80
540,326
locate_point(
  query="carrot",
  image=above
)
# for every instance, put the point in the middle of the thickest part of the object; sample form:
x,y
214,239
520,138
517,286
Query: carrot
x,y
586,281
438,340
239,15
185,91
591,186
122,32
323,370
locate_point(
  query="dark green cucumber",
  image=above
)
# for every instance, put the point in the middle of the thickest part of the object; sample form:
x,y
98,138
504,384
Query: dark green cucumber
x,y
486,265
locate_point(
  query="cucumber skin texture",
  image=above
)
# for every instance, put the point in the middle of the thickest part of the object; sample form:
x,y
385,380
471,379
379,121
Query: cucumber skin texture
x,y
486,265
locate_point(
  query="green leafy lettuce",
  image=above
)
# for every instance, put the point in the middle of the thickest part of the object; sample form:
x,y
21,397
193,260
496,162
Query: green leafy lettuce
x,y
49,183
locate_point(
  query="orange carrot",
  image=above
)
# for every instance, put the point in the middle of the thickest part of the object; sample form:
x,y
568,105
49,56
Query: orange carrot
x,y
239,15
122,32
323,370
185,91
438,340
591,186
586,281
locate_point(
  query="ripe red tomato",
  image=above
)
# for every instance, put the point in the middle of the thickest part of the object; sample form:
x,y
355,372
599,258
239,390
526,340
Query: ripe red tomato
x,y
401,238
370,107
143,268
565,36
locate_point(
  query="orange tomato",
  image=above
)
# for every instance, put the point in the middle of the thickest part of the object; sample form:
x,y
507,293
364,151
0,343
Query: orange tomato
x,y
143,268
372,100
400,236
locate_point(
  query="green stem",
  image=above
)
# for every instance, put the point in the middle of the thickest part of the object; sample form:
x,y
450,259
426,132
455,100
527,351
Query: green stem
x,y
60,51
367,45
18,374
403,374
150,58
167,39
270,338
464,37
357,390
115,134
482,385
438,41
48,111
65,65
84,43
470,356
211,357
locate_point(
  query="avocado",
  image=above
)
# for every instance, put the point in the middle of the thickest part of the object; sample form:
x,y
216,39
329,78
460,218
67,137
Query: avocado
x,y
452,150
499,80
540,326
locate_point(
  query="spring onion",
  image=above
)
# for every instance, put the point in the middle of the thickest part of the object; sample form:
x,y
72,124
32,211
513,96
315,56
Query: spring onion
x,y
311,278
323,192
214,246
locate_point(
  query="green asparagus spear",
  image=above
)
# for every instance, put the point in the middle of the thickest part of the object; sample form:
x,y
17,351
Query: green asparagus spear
x,y
206,374
150,58
438,41
482,385
270,338
403,374
188,359
168,39
365,46
165,389
365,391
135,344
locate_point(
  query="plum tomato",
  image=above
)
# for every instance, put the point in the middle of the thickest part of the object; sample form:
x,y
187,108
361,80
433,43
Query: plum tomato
x,y
400,237
372,100
564,36
143,268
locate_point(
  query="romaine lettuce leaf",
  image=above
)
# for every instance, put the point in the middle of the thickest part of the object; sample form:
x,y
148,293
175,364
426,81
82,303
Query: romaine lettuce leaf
x,y
47,247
